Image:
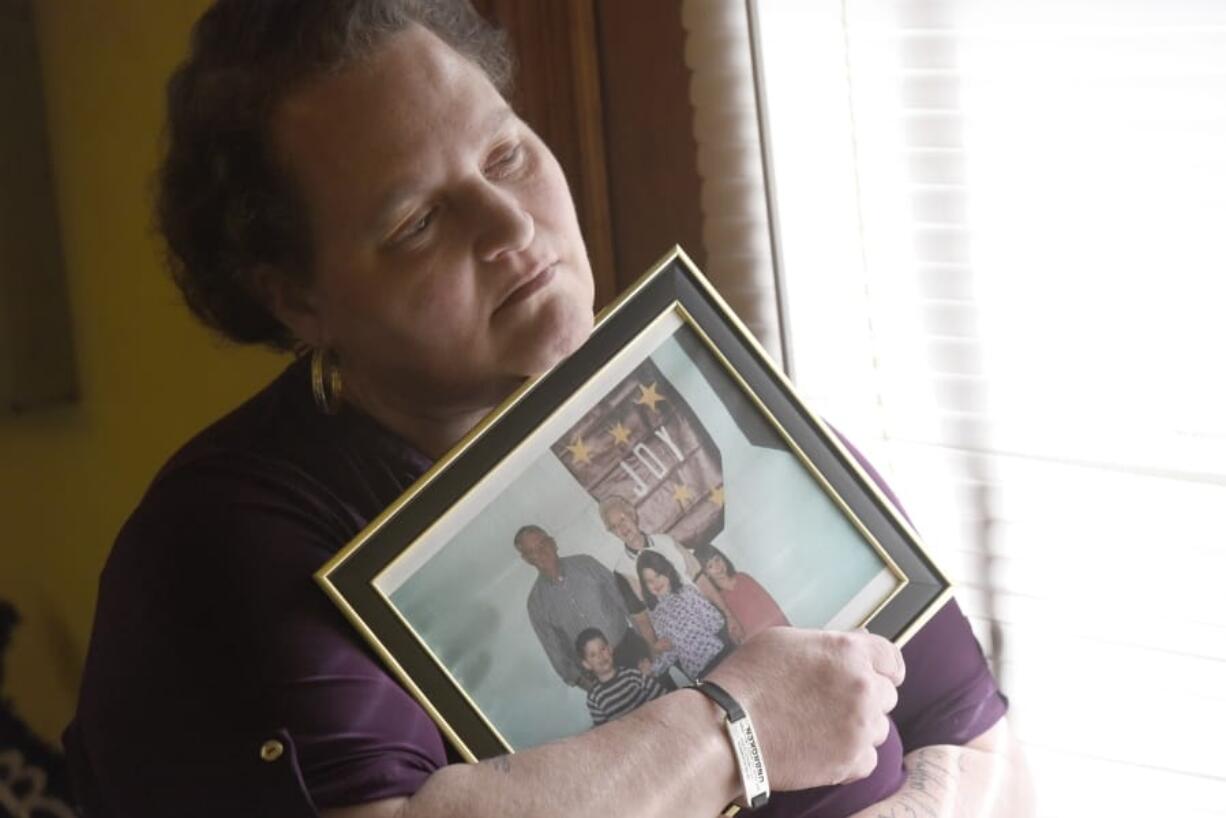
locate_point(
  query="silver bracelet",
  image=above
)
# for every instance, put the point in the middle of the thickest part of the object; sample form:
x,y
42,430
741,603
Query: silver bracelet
x,y
744,744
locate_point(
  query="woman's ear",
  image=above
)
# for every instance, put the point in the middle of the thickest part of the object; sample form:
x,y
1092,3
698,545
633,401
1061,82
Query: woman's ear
x,y
291,302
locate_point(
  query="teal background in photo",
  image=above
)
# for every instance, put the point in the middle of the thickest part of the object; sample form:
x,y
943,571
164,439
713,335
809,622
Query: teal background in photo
x,y
468,603
778,520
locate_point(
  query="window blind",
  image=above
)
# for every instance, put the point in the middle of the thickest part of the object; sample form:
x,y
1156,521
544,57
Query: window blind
x,y
726,127
1002,223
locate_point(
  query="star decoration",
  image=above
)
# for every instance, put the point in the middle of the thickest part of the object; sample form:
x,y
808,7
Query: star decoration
x,y
717,496
620,434
682,493
649,397
580,451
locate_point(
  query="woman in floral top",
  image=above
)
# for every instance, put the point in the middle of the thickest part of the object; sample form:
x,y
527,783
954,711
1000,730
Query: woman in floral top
x,y
686,624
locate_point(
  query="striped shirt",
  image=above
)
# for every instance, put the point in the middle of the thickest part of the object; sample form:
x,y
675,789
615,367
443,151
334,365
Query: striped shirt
x,y
628,689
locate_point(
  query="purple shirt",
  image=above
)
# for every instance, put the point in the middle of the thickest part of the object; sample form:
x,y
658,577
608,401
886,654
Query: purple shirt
x,y
222,681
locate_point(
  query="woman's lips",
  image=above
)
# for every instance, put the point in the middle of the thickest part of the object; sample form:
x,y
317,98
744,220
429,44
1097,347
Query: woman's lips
x,y
523,291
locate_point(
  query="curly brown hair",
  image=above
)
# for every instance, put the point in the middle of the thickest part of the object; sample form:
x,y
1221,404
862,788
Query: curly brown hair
x,y
224,206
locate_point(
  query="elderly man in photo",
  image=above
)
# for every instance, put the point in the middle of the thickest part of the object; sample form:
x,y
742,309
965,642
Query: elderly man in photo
x,y
570,595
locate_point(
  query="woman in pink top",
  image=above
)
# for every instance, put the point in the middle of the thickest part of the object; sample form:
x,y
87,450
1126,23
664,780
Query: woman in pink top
x,y
748,601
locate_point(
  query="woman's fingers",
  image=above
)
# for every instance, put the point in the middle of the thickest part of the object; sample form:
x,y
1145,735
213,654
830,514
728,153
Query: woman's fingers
x,y
886,658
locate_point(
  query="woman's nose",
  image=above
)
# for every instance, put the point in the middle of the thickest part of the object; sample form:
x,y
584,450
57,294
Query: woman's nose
x,y
504,226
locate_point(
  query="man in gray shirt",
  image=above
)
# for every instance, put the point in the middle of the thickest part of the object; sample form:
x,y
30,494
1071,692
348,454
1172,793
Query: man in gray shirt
x,y
571,595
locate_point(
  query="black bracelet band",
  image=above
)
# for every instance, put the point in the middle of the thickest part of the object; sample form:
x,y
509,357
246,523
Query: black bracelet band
x,y
744,744
721,697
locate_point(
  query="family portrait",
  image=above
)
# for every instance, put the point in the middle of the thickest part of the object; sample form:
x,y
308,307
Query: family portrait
x,y
655,522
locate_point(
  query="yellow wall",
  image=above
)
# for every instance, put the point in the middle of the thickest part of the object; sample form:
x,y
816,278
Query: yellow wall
x,y
149,377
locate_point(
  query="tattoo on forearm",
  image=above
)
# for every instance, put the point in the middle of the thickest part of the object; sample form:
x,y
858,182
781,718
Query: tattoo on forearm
x,y
924,790
501,763
899,810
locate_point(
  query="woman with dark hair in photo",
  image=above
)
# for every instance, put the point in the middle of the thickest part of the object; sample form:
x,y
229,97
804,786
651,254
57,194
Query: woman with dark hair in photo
x,y
687,625
752,604
345,179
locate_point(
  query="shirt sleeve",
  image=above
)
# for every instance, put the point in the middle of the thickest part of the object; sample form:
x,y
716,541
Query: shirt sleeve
x,y
949,695
222,681
595,709
704,610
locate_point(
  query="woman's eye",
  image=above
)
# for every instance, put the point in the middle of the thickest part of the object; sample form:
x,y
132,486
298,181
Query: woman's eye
x,y
417,226
505,161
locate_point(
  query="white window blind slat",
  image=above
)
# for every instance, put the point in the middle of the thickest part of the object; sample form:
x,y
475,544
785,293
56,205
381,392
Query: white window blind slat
x,y
1155,669
1081,778
1162,634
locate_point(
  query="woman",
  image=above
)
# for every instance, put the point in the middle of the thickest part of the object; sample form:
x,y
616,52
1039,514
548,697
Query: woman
x,y
345,178
756,609
687,625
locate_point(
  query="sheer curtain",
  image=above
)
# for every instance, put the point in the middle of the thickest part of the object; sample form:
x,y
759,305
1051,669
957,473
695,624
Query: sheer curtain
x,y
1004,229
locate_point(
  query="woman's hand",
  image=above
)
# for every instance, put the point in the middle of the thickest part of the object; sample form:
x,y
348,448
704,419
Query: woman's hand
x,y
662,645
818,700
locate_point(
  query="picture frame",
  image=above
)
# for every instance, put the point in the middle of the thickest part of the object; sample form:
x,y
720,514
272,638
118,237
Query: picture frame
x,y
671,431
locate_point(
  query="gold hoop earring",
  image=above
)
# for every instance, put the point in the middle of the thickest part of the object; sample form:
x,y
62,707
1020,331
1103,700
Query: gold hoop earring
x,y
326,381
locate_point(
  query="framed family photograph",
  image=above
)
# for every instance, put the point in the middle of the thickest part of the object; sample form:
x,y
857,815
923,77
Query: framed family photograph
x,y
620,525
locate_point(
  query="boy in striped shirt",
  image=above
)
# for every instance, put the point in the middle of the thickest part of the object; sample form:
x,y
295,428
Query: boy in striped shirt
x,y
617,690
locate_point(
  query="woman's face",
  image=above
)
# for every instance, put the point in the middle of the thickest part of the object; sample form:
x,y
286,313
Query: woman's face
x,y
658,584
716,568
448,259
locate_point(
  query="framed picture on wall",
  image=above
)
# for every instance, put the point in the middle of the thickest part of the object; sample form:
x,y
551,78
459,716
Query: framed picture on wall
x,y
624,522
